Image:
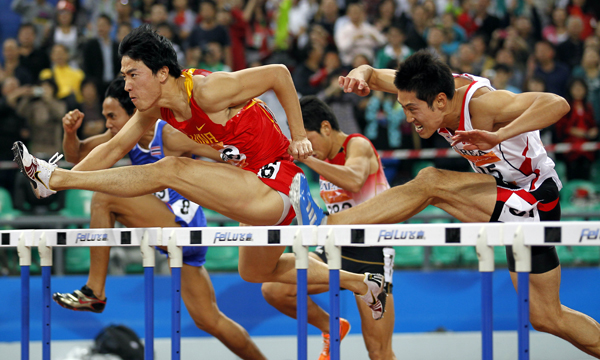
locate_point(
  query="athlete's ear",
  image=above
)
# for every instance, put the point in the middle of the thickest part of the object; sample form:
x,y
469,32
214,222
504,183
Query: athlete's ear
x,y
441,101
163,74
325,128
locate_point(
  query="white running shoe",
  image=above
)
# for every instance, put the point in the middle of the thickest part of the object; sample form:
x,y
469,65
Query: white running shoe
x,y
376,295
37,171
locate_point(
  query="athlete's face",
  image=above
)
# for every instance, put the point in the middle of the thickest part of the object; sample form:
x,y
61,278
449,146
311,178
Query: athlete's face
x,y
321,141
144,87
425,119
116,117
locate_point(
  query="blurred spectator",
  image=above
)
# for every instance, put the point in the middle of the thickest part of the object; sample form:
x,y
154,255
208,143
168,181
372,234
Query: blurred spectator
x,y
435,39
307,69
212,59
577,127
158,14
124,12
94,9
301,12
31,56
500,77
554,73
331,64
534,84
12,64
592,42
261,36
344,106
454,35
12,127
394,50
316,35
482,61
466,16
583,10
529,30
122,30
65,32
143,10
589,70
505,56
485,22
183,18
166,29
101,60
463,61
386,16
327,15
357,36
570,51
556,32
43,113
40,13
384,116
91,106
415,30
210,31
67,78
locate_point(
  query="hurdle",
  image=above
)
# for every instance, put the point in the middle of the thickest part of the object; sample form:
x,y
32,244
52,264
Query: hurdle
x,y
483,236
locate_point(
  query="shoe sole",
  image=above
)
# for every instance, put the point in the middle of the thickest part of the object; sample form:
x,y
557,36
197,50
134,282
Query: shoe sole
x,y
18,152
295,197
382,297
69,307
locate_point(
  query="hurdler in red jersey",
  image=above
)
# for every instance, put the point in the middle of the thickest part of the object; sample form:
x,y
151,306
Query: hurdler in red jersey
x,y
251,140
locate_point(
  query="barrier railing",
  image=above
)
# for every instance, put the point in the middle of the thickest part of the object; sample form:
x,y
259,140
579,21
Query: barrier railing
x,y
483,236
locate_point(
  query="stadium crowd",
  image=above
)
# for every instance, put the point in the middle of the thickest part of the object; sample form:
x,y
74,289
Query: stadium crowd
x,y
65,54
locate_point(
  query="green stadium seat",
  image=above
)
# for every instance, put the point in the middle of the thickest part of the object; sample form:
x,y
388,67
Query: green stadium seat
x,y
587,255
468,256
77,203
420,165
565,255
77,260
445,256
222,258
561,169
409,256
6,205
500,256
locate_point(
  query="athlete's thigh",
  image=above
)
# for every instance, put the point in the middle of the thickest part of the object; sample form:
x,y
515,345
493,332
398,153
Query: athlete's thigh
x,y
377,333
229,190
141,211
469,197
544,292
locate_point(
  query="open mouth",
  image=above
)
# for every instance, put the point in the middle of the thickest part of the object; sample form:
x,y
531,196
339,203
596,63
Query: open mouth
x,y
419,128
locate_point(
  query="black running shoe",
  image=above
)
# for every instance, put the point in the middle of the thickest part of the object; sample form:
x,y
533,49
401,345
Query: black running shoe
x,y
80,300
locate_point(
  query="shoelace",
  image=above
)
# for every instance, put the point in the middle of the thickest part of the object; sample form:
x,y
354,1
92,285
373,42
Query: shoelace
x,y
54,159
325,346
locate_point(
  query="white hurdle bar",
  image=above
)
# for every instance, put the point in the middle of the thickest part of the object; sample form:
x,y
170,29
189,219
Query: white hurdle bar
x,y
484,236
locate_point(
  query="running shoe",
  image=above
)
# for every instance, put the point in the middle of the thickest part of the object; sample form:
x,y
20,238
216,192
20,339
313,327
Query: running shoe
x,y
344,330
80,300
376,295
37,171
307,210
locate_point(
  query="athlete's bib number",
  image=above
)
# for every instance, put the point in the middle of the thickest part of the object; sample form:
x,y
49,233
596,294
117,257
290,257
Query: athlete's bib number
x,y
232,155
337,207
269,171
491,170
163,195
185,209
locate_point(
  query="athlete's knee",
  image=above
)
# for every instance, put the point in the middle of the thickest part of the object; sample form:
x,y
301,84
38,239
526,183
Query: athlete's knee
x,y
377,351
170,164
101,201
207,319
545,321
276,293
429,176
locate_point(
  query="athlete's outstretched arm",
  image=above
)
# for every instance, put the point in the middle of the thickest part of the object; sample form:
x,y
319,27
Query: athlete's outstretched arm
x,y
365,78
74,148
501,115
107,154
175,143
354,173
222,90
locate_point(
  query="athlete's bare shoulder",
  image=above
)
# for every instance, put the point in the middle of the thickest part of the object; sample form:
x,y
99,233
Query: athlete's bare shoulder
x,y
359,146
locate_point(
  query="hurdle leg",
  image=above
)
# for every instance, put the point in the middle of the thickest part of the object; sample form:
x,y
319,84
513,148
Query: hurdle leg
x,y
522,255
176,262
46,263
24,261
301,253
149,262
485,254
334,261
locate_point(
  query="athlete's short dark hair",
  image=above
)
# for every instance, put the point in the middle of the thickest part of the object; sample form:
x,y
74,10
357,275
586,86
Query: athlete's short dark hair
x,y
314,111
116,90
426,75
154,50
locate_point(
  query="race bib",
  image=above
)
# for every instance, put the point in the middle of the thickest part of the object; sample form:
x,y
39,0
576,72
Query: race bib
x,y
339,206
163,195
185,209
269,171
